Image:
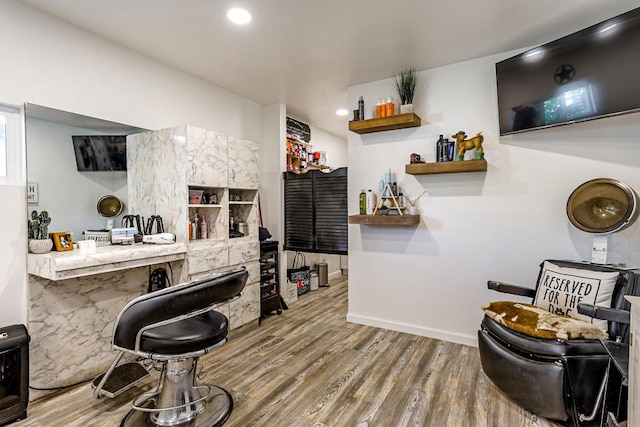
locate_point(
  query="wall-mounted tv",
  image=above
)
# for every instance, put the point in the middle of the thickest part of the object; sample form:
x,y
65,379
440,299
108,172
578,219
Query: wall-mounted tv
x,y
100,153
586,75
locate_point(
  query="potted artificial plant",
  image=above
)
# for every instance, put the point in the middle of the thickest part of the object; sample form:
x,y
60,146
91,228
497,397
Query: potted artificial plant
x,y
39,241
405,82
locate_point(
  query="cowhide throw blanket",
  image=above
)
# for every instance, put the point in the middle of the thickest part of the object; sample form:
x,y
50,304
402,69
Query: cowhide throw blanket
x,y
537,322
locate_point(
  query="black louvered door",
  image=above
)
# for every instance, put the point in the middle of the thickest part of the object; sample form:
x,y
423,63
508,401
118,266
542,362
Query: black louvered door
x,y
331,212
298,212
316,212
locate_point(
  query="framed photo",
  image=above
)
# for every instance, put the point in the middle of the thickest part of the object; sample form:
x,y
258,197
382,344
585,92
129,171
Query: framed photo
x,y
32,192
62,241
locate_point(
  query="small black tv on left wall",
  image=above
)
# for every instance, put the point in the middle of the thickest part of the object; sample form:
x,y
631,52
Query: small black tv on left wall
x,y
587,75
100,153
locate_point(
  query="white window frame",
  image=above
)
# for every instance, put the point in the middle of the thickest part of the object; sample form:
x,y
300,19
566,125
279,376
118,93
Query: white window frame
x,y
15,146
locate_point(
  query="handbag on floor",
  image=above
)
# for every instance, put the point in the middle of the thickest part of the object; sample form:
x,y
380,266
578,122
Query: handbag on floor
x,y
300,273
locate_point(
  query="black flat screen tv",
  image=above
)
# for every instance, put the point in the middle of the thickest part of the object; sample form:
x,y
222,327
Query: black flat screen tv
x,y
100,153
590,74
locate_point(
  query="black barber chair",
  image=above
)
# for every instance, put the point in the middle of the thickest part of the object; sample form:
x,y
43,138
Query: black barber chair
x,y
175,326
570,381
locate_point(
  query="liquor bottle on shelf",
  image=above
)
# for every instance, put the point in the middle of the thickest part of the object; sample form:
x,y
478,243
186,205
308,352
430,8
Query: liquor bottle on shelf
x,y
363,203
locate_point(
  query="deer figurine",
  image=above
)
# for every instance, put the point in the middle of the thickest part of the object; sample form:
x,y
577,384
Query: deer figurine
x,y
467,144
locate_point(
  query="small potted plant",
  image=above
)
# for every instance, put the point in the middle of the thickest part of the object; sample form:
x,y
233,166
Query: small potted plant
x,y
405,83
39,241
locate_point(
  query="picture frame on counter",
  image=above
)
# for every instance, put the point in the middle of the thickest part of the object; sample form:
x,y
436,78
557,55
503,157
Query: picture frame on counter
x,y
32,192
62,241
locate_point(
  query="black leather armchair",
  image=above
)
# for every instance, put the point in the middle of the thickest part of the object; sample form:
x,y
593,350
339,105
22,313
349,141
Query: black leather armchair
x,y
568,381
175,326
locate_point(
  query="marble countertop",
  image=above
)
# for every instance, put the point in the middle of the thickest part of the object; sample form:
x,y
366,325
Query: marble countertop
x,y
69,264
633,300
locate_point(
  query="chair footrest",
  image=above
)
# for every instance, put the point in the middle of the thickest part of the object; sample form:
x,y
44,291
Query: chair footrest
x,y
216,410
121,379
145,401
613,422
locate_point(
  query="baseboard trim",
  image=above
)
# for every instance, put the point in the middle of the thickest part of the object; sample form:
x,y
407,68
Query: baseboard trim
x,y
334,275
413,329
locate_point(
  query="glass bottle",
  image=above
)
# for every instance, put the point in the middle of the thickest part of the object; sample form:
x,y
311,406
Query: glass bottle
x,y
363,203
440,149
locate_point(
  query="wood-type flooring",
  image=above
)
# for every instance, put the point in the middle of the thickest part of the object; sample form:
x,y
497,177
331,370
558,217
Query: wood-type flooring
x,y
309,367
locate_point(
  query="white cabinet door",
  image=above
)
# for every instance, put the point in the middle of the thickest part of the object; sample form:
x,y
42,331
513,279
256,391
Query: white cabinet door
x,y
241,252
247,308
243,163
205,260
206,158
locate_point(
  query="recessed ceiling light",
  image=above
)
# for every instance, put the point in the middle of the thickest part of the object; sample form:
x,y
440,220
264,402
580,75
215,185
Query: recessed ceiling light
x,y
238,15
342,112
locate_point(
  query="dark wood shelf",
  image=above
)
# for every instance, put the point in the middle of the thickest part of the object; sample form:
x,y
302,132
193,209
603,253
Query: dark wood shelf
x,y
399,121
384,219
446,167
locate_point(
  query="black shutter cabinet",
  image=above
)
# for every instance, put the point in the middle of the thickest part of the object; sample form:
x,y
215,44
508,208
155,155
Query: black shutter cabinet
x,y
315,212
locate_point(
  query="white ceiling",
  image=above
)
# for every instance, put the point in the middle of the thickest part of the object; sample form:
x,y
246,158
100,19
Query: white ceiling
x,y
306,53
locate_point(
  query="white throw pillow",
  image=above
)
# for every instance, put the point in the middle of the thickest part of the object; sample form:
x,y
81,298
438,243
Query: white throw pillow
x,y
561,289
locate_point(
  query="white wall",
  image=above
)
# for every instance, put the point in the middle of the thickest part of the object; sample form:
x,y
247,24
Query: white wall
x,y
13,268
431,279
272,163
56,65
50,63
334,146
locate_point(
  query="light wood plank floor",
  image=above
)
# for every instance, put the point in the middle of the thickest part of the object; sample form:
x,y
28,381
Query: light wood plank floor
x,y
309,367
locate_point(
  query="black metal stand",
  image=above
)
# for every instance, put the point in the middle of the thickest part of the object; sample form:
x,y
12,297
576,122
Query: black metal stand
x,y
616,396
270,298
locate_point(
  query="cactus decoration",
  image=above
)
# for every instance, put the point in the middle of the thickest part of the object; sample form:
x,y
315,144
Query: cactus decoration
x,y
39,225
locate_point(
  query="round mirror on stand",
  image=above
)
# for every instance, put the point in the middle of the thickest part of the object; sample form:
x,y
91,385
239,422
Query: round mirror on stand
x,y
602,207
109,207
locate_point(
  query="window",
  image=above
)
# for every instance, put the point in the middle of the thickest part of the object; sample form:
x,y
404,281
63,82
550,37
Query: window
x,y
12,171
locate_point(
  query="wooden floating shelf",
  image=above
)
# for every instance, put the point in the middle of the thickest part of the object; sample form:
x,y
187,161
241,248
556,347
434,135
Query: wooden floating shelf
x,y
293,141
317,166
205,206
384,219
446,167
399,121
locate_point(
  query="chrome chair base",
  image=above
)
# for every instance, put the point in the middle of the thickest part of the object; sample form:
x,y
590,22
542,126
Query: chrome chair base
x,y
217,408
179,402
